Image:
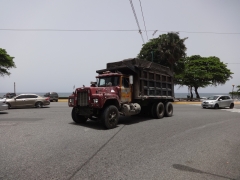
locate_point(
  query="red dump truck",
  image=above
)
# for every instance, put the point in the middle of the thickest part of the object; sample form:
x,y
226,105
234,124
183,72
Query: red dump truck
x,y
127,88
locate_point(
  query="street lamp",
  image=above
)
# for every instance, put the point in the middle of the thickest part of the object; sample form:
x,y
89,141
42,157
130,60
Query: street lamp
x,y
232,90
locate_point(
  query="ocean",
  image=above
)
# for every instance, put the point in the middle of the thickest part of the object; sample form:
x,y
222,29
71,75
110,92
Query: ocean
x,y
177,95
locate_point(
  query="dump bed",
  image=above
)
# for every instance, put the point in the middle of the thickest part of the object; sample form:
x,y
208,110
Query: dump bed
x,y
150,80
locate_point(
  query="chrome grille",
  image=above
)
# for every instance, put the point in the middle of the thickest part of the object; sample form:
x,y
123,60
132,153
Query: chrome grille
x,y
83,98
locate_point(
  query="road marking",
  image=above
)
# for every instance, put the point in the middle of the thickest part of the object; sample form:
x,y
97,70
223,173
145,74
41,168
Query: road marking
x,y
232,110
7,124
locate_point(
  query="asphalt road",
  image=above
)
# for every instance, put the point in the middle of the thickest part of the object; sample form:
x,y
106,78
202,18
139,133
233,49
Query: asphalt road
x,y
194,144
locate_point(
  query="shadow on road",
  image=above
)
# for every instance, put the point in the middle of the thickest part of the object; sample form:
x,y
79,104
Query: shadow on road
x,y
190,169
128,120
122,120
44,107
90,124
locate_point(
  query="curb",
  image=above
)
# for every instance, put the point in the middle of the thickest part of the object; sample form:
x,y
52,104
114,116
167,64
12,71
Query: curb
x,y
176,102
181,102
62,100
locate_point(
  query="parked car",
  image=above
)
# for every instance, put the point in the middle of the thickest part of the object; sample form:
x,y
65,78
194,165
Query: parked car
x,y
53,96
27,100
3,105
218,101
9,95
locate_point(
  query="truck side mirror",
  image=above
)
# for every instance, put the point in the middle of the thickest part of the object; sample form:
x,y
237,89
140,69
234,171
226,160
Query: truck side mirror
x,y
131,79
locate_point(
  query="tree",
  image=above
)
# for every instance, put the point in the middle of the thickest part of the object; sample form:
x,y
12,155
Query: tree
x,y
202,72
6,62
166,50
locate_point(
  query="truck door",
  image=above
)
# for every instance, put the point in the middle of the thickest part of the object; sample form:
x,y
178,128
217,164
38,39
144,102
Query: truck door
x,y
126,93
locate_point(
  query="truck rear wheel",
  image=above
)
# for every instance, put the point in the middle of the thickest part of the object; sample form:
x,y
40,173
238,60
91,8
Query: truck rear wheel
x,y
78,118
110,117
158,110
168,109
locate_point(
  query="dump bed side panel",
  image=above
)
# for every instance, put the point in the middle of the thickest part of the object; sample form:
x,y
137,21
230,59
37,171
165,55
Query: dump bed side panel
x,y
153,84
151,80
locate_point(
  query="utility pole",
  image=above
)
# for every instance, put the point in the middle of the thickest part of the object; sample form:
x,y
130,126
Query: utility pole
x,y
232,90
14,88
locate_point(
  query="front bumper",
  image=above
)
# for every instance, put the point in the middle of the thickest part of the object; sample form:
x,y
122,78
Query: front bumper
x,y
208,105
3,107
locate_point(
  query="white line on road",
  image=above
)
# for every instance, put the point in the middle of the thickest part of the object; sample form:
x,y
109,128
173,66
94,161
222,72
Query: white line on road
x,y
229,110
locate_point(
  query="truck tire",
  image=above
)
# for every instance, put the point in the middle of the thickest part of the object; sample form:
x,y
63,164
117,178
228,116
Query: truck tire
x,y
168,109
78,118
110,117
158,110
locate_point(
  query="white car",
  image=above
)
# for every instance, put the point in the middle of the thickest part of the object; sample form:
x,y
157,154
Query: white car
x,y
218,101
3,105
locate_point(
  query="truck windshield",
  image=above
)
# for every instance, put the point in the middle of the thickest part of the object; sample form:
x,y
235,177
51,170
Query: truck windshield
x,y
108,81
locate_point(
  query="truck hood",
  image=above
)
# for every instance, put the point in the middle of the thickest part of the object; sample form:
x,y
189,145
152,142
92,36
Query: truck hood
x,y
100,90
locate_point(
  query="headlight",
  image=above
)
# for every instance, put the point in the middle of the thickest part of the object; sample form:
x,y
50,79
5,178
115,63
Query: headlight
x,y
95,101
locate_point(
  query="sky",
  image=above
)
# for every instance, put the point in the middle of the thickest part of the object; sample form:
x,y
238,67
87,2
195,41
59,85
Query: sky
x,y
54,51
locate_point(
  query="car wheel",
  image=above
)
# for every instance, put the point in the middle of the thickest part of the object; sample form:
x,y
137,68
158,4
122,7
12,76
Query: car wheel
x,y
216,106
231,106
168,109
78,118
9,105
110,117
38,104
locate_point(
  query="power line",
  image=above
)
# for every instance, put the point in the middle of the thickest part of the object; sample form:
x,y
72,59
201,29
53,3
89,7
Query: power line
x,y
83,30
119,30
143,18
134,13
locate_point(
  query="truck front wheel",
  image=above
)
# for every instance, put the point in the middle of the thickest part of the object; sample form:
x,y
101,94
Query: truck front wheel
x,y
78,118
110,117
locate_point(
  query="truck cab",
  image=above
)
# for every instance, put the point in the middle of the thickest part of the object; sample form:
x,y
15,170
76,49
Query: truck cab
x,y
111,89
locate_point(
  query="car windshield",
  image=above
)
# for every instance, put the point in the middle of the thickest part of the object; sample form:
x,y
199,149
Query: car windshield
x,y
212,97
